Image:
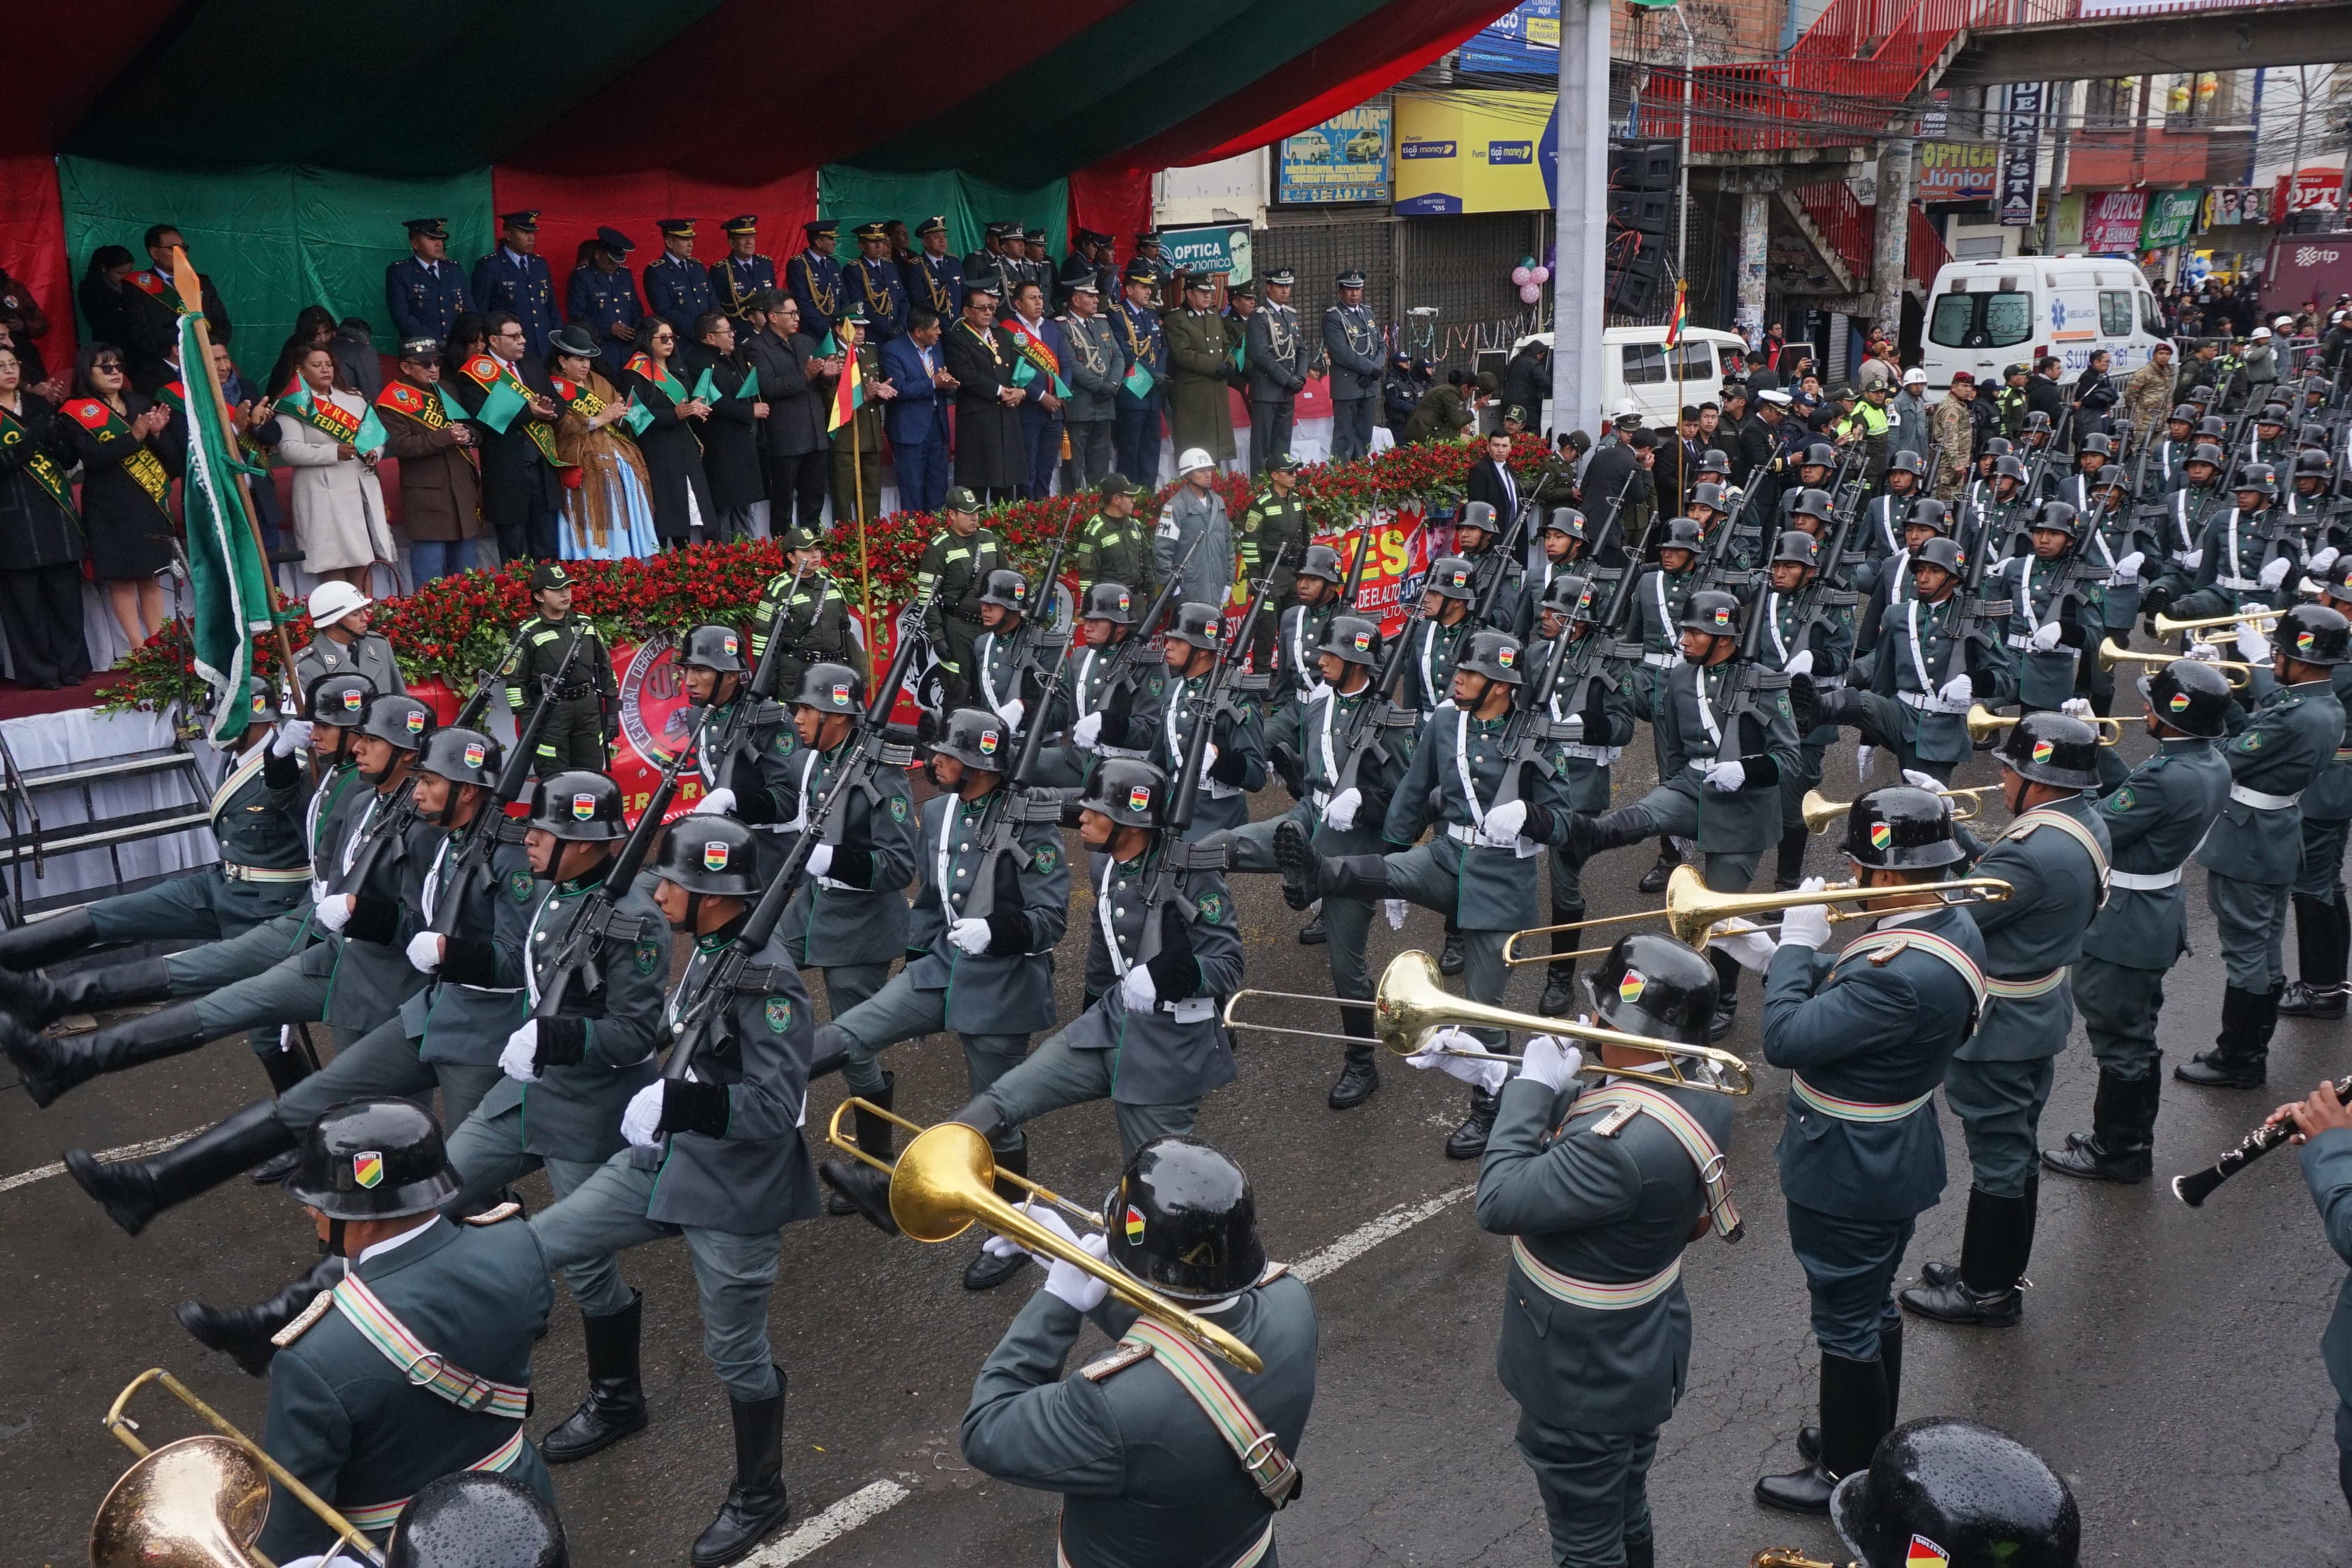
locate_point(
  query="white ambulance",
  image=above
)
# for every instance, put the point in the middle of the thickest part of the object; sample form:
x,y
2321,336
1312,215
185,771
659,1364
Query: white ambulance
x,y
1984,316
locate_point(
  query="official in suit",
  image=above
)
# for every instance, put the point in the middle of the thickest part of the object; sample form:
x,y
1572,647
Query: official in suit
x,y
1492,482
932,278
1274,359
515,278
793,447
602,298
678,288
1039,351
870,283
737,278
1093,365
1352,343
521,486
990,458
424,291
813,277
1142,390
915,420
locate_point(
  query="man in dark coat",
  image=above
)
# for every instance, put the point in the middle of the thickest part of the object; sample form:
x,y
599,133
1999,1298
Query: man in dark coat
x,y
792,432
989,457
1527,380
521,491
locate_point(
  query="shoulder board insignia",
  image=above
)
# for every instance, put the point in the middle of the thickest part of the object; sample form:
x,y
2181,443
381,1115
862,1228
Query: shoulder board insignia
x,y
1117,1359
1274,1271
492,1215
305,1321
1886,956
1613,1120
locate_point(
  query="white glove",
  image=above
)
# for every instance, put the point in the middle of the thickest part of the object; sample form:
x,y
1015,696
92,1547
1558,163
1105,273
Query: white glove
x,y
2192,559
1800,663
970,935
2252,647
2078,708
1866,760
1137,993
2274,573
820,860
1502,824
1726,776
1209,754
2045,637
644,1114
2127,569
2203,653
1551,1061
1749,945
1087,731
1341,814
2318,564
519,1060
1012,713
424,951
335,913
1064,1281
1927,781
1315,693
293,735
1956,694
1440,1050
1394,910
717,802
1807,925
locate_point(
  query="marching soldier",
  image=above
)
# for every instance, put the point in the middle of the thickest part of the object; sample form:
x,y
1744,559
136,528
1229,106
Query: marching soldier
x,y
1276,523
989,977
2002,522
1437,643
424,291
514,279
2247,559
2057,613
1006,688
1561,538
2188,508
1233,765
1817,644
1884,515
1351,343
2156,816
931,277
1276,356
585,713
815,618
1659,598
2167,463
1478,536
1183,1221
2053,856
716,1154
1290,647
342,643
2253,854
1115,544
813,277
950,580
737,278
351,1415
1868,1034
1599,1190
870,284
743,745
1606,720
2322,923
601,298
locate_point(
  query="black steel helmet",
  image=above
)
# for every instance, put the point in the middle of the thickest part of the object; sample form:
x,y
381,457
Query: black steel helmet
x,y
1797,546
1477,514
1322,562
2036,420
2190,696
1198,625
1495,654
397,720
2259,478
1713,611
2096,441
1007,590
2009,468
2271,414
1653,985
1571,595
377,1158
1449,578
1900,829
477,1520
1564,519
1820,455
581,806
463,756
1709,493
1997,446
2314,463
2211,426
977,739
708,854
1952,1491
2313,634
2205,452
1715,461
1906,463
1683,533
1931,514
1132,794
1356,639
831,688
2057,516
1942,551
260,700
1811,504
2110,479
2052,749
341,701
1112,602
2312,435
1183,1220
2183,414
713,647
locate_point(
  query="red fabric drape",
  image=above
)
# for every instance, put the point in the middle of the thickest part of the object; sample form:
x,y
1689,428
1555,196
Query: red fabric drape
x,y
1116,202
66,57
33,249
572,209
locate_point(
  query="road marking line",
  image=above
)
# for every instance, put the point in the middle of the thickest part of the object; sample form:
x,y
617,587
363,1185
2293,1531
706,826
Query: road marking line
x,y
1381,1228
860,1507
128,1152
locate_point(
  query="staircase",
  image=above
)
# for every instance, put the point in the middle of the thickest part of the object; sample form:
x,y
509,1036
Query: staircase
x,y
25,843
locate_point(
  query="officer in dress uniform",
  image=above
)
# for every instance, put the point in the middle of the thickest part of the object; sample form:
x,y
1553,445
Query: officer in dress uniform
x,y
515,278
2155,815
717,1156
988,976
678,287
585,715
932,278
1142,391
1115,544
1600,1189
950,580
1233,765
2323,921
2053,856
1817,644
424,291
871,283
1867,1033
1276,523
1183,1221
601,298
815,616
737,278
352,1415
1351,343
2251,856
1276,356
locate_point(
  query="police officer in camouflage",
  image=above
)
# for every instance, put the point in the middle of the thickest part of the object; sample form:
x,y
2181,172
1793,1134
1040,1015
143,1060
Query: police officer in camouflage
x,y
586,713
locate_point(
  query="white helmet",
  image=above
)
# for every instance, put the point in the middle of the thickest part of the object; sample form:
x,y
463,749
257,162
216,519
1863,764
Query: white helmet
x,y
1194,459
2260,333
330,602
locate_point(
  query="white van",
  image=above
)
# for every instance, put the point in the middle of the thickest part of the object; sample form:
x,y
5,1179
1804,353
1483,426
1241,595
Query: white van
x,y
1637,364
1985,315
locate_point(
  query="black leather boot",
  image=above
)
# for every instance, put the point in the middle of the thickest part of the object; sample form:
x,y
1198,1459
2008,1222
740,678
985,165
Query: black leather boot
x,y
874,1136
2315,993
985,1272
2239,1058
1727,994
1361,1074
46,941
1468,1140
2115,1149
1654,880
1641,1553
40,998
1890,1356
865,1189
243,1333
50,1066
1313,933
135,1191
1308,876
1449,961
1983,1292
615,1406
286,1069
1559,998
1855,1416
1590,835
1790,867
756,1502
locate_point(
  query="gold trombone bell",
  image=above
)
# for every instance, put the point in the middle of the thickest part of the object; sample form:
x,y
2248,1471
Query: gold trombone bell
x,y
1819,812
2112,654
1984,724
2166,626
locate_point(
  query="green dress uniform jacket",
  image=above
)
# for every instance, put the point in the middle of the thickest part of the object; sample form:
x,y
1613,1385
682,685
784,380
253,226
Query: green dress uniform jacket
x,y
2182,516
2329,796
369,655
2291,737
1323,756
1608,716
475,999
1115,550
1007,988
1497,884
997,684
1862,1035
856,913
1430,657
2326,1163
1145,1481
1695,734
1915,640
2047,676
366,963
1658,600
2155,816
755,761
1177,1052
1171,704
816,628
1200,346
257,816
2033,936
2237,545
356,1429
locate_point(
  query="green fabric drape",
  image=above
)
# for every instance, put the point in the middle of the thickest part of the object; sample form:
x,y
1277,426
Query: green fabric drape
x,y
970,204
274,237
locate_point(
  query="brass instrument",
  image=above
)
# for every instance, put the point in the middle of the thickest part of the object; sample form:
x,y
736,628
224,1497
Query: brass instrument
x,y
947,1179
1984,724
2166,626
2111,655
199,1502
1790,1557
1819,812
1693,910
1412,1004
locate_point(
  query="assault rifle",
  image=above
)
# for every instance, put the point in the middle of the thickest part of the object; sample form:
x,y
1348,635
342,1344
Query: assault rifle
x,y
1033,629
1126,665
469,862
1499,553
1014,804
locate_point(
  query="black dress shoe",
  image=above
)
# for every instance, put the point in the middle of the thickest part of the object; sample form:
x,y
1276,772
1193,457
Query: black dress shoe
x,y
2212,1070
244,1333
2304,1001
1312,933
273,1171
866,1189
1355,1083
1800,1491
1727,1014
1468,1140
1449,961
1654,880
986,1272
1955,1302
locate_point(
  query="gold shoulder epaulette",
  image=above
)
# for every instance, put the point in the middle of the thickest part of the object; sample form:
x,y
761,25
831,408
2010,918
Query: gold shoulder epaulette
x,y
492,1217
1119,1357
318,1308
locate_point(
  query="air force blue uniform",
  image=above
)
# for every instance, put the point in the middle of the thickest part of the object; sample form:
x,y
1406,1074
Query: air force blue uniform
x,y
678,290
523,288
425,296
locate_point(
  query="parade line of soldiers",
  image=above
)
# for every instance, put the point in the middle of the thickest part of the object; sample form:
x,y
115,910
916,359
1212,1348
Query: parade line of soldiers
x,y
374,890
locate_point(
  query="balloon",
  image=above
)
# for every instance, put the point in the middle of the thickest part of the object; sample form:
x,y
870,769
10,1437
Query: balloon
x,y
1539,275
1530,293
1521,276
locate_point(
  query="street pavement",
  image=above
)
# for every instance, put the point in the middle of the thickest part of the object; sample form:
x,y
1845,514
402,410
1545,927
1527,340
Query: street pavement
x,y
2168,1364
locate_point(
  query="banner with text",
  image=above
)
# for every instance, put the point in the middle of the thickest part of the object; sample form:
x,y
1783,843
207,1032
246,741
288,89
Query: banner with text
x,y
1476,153
1345,159
1957,171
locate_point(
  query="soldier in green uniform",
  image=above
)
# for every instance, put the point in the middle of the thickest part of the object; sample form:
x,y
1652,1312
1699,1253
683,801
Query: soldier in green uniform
x,y
1292,659
2323,920
1174,699
1106,618
586,714
2057,614
1115,544
1183,1221
815,619
950,580
743,745
1437,642
1586,684
2185,509
1275,522
1818,645
1201,345
1659,595
2007,513
2249,557
1006,679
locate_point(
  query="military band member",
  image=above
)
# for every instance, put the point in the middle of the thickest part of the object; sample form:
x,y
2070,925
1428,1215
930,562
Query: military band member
x,y
950,580
1432,647
514,279
1183,1221
816,618
737,278
1599,1188
1115,544
586,711
1233,765
1818,644
1276,355
1352,345
2155,816
2323,921
2053,856
1867,1033
932,278
1142,393
342,643
678,287
423,292
870,282
813,277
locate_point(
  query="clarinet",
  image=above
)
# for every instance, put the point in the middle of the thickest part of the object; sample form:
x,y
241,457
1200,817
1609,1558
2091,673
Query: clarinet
x,y
2195,1188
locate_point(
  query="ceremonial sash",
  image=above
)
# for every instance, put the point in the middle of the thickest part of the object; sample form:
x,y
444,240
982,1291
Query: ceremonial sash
x,y
494,378
174,396
1842,1109
152,282
425,1367
1661,1108
40,465
238,777
1892,940
577,398
101,421
429,406
1034,349
376,1517
672,388
1585,1293
323,415
1254,1443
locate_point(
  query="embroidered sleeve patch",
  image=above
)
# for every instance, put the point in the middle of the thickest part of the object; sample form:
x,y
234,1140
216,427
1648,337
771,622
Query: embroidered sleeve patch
x,y
1047,857
2121,800
898,808
1213,908
648,957
779,1014
519,887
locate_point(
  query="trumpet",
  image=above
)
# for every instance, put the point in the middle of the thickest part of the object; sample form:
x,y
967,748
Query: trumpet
x,y
1693,910
199,1502
1984,724
1819,812
2166,626
1412,1004
1790,1557
947,1179
2111,655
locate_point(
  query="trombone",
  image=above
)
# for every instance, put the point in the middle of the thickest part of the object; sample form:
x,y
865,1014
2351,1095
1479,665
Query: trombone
x,y
2112,654
1984,724
1819,812
201,1500
947,1179
1412,1004
2166,626
1693,910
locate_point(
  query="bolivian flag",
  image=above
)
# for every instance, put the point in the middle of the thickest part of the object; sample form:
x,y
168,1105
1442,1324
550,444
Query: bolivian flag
x,y
1682,312
848,395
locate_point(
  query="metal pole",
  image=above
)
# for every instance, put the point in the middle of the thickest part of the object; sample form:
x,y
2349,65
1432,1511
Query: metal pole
x,y
1580,213
2057,112
1681,197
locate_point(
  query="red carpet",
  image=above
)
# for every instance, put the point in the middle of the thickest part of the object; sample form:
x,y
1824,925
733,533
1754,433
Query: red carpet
x,y
21,703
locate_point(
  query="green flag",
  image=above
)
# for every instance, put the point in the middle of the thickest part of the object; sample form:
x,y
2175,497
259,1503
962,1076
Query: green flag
x,y
828,348
1023,373
1140,381
371,436
750,391
638,417
705,388
500,401
226,578
450,408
